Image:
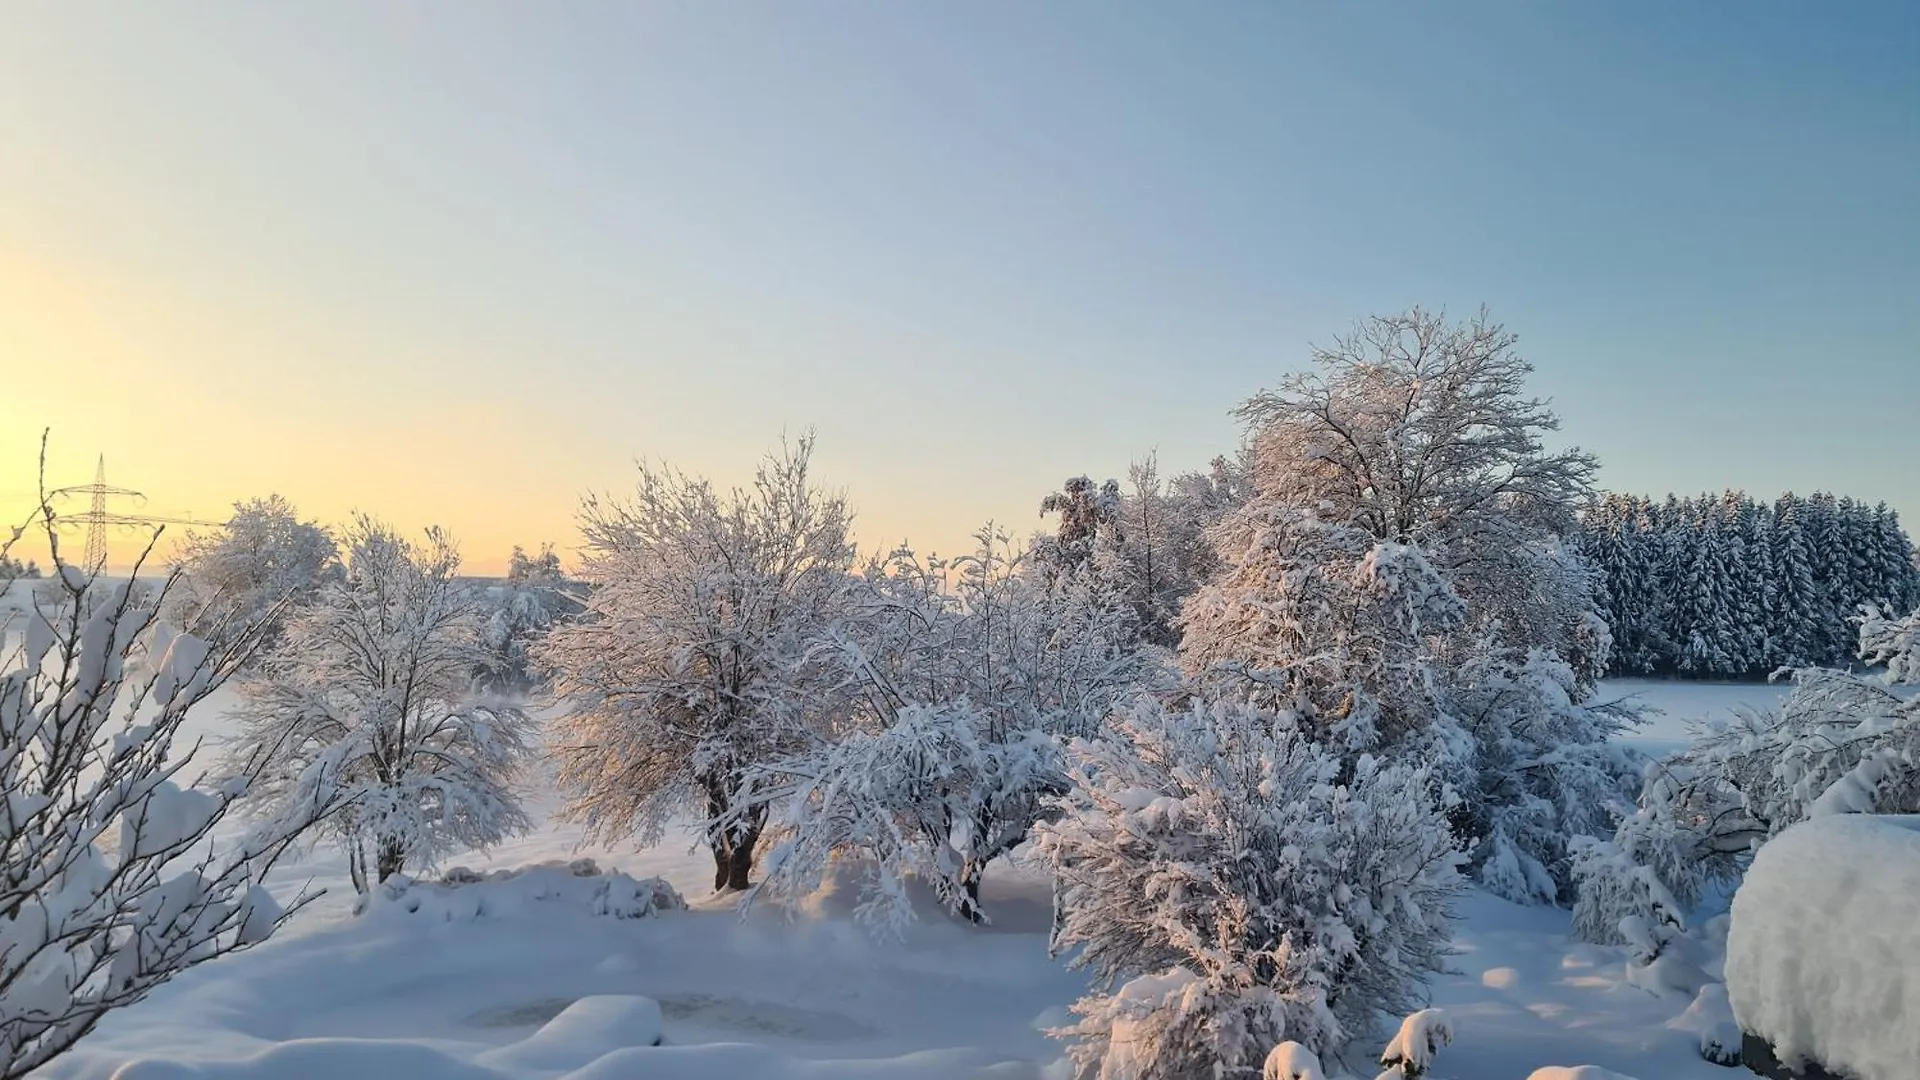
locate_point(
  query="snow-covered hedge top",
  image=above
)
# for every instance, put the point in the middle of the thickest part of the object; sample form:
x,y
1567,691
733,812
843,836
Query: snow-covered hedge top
x,y
462,894
1823,954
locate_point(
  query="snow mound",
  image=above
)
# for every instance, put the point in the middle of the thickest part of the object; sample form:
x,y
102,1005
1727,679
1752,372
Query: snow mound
x,y
320,1059
584,1032
746,1062
1291,1061
1576,1072
462,895
1711,1019
1823,955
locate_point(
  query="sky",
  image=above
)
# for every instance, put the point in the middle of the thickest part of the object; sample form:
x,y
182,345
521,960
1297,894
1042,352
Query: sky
x,y
460,263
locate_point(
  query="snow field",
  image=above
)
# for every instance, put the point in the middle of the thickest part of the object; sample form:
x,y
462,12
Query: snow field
x,y
797,992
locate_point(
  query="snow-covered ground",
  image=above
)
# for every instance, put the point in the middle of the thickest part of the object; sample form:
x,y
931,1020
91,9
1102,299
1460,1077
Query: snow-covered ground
x,y
801,994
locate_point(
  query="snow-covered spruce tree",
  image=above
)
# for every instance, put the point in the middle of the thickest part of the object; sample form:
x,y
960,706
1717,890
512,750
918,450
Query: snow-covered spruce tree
x,y
109,883
970,675
706,648
263,563
1232,883
375,674
1419,431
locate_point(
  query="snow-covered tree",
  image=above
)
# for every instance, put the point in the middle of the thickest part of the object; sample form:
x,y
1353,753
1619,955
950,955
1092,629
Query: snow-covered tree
x,y
1536,770
264,560
376,674
1719,586
971,675
109,883
1321,618
1232,883
12,569
706,648
533,597
1418,431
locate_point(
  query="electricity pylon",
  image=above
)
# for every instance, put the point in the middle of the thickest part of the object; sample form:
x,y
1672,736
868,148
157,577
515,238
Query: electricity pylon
x,y
97,519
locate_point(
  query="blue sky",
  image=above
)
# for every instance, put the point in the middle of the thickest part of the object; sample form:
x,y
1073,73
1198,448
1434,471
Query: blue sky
x,y
458,262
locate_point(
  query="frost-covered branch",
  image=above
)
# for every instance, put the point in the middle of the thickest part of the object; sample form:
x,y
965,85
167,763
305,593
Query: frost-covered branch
x,y
109,883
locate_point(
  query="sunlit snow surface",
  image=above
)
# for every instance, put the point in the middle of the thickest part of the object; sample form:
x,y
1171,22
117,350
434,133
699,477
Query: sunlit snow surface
x,y
543,992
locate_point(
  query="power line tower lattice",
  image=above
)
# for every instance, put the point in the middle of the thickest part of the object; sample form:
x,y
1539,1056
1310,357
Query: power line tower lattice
x,y
97,519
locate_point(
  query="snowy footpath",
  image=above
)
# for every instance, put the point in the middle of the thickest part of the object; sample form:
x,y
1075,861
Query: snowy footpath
x,y
559,989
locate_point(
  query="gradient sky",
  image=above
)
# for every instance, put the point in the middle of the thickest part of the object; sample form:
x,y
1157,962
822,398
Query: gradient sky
x,y
460,262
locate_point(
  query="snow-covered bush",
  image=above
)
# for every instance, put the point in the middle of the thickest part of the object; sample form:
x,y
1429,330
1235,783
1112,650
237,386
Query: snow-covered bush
x,y
1231,884
579,886
376,675
706,649
1823,954
263,562
1840,742
972,682
1537,770
1411,1052
109,885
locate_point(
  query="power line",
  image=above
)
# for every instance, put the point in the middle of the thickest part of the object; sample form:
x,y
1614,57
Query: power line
x,y
97,519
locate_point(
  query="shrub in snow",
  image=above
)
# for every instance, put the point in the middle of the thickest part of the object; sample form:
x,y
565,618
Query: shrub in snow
x,y
972,682
1537,770
264,562
1232,884
1414,1046
1710,1018
1823,955
701,652
1839,743
108,883
376,675
579,886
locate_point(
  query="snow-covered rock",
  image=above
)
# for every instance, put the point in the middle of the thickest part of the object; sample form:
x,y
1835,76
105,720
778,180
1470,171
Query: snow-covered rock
x,y
1823,954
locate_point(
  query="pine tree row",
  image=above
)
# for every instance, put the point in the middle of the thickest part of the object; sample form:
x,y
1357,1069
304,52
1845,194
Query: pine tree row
x,y
1727,587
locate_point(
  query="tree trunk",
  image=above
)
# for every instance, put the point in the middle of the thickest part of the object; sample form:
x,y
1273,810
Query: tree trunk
x,y
357,867
393,857
740,859
970,875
